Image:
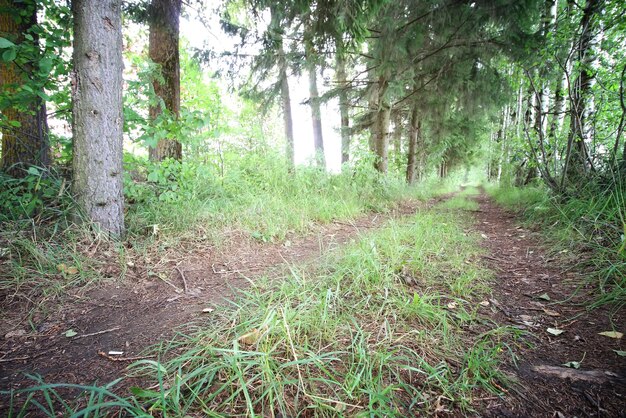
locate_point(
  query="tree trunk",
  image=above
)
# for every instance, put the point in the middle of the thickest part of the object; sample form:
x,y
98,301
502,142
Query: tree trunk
x,y
285,96
286,102
316,118
397,136
163,50
24,143
97,112
577,159
343,107
414,136
380,128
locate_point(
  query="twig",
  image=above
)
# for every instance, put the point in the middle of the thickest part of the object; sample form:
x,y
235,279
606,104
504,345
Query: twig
x,y
108,357
96,333
6,360
182,276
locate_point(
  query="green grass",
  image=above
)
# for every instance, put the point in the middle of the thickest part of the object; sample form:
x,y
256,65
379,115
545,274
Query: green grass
x,y
589,226
379,329
182,206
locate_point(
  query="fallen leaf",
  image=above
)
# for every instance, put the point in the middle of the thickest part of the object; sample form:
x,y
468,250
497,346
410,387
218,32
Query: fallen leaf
x,y
61,267
484,236
620,353
115,353
526,318
572,364
71,270
70,333
250,338
484,303
451,305
544,296
551,312
16,333
555,331
612,334
207,310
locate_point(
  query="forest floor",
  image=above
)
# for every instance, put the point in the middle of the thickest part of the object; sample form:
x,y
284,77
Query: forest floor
x,y
531,292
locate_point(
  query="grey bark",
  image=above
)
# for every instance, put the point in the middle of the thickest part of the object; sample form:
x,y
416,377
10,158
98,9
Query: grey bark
x,y
97,112
414,136
343,108
316,118
286,102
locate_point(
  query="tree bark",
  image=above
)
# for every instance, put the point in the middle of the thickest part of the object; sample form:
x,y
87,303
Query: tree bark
x,y
380,129
414,136
163,50
343,107
97,112
26,143
577,158
316,118
283,80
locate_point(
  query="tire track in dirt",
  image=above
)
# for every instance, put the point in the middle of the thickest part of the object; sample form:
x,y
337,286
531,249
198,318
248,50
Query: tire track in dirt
x,y
524,272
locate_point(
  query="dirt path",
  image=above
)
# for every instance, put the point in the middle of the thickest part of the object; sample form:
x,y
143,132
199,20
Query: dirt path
x,y
525,272
145,310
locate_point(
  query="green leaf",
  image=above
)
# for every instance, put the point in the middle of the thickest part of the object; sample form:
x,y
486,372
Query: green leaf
x,y
544,296
45,65
9,55
620,353
70,333
143,393
5,43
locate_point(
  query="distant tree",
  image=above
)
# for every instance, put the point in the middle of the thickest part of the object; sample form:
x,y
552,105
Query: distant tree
x,y
164,21
23,125
97,112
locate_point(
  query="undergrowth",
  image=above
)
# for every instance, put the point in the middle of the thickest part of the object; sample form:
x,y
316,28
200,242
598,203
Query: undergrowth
x,y
381,329
199,202
590,225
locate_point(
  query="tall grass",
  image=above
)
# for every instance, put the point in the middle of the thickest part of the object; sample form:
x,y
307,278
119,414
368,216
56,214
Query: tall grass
x,y
592,223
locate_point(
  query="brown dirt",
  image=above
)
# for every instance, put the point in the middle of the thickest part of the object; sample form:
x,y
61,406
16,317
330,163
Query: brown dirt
x,y
525,270
134,314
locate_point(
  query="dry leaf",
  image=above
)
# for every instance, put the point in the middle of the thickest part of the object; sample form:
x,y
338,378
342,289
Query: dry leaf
x,y
484,303
551,312
451,305
71,270
544,296
207,310
555,331
250,338
612,334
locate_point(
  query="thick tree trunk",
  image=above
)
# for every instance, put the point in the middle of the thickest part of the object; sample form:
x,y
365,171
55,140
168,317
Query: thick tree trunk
x,y
343,108
97,112
414,136
316,117
163,50
24,143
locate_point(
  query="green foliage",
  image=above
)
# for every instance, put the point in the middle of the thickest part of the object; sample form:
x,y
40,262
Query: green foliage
x,y
39,195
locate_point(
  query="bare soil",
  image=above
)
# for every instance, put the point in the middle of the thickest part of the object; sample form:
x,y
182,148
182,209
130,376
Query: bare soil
x,y
134,314
526,271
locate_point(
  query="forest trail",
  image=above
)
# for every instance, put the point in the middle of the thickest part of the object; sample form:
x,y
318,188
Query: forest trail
x,y
146,308
526,275
131,317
